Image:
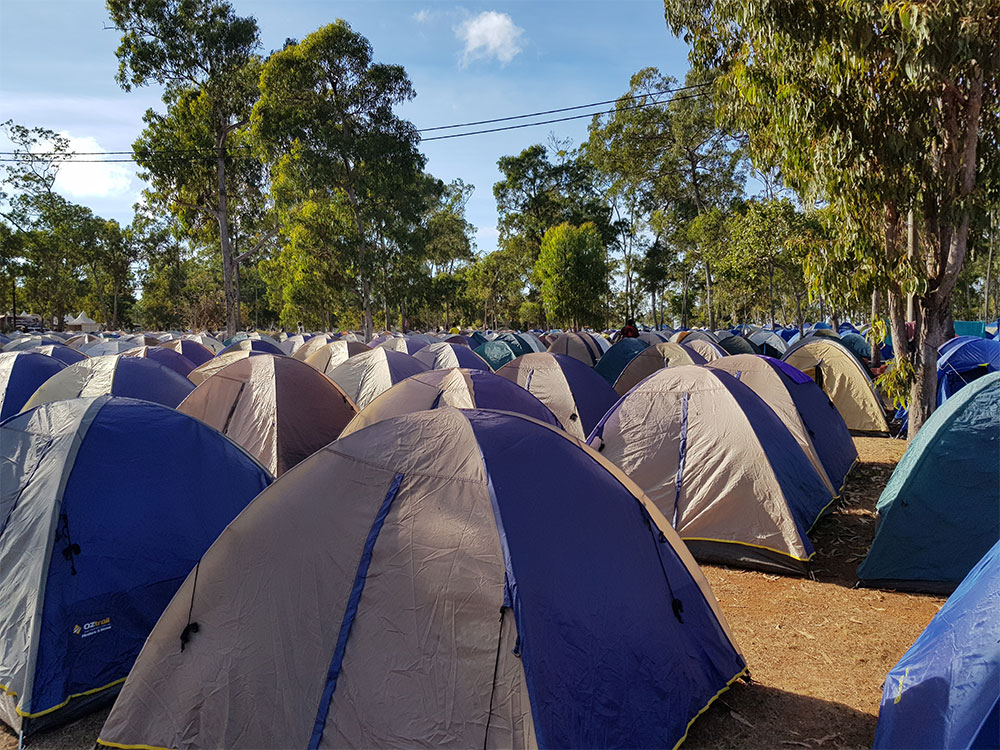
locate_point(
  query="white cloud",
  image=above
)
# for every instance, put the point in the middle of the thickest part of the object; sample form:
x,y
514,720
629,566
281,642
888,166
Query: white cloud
x,y
422,16
84,178
490,34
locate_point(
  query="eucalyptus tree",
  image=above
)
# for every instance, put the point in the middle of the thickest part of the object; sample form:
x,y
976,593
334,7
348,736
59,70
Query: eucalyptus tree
x,y
344,166
661,151
885,111
629,147
449,243
195,155
571,271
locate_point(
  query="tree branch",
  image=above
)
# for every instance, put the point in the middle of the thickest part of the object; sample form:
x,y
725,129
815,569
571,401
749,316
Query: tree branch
x,y
256,248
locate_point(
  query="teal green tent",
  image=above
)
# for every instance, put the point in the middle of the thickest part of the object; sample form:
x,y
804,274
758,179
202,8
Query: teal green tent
x,y
970,328
940,512
496,354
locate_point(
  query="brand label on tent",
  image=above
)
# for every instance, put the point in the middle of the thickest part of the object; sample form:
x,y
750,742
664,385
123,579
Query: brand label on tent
x,y
92,628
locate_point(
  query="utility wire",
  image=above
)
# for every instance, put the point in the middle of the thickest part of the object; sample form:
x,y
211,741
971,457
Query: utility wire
x,y
68,157
562,109
558,119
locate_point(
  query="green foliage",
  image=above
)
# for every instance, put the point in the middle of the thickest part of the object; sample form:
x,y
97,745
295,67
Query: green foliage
x,y
346,174
664,161
878,110
181,43
58,256
542,188
195,155
571,272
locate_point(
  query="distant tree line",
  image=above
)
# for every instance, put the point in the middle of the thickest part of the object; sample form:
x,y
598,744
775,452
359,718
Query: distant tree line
x,y
284,188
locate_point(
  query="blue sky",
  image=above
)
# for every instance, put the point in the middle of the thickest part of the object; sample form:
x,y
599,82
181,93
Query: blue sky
x,y
468,61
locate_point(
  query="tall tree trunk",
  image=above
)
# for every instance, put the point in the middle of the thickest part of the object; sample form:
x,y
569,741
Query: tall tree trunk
x,y
225,244
770,288
236,295
929,334
989,268
366,305
684,301
798,314
911,253
708,295
876,358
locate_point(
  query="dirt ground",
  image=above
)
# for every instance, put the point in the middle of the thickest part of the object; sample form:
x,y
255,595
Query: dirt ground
x,y
818,650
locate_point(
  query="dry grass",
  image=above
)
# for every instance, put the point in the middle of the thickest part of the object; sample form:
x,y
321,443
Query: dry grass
x,y
818,650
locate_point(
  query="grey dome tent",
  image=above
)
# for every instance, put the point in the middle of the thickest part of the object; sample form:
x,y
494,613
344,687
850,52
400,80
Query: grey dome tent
x,y
426,585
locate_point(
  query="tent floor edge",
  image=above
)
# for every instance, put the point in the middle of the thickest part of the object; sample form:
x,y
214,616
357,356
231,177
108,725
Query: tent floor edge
x,y
76,708
736,555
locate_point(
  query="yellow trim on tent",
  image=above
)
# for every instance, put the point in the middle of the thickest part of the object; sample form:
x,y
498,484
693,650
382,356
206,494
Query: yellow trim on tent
x,y
708,705
822,510
835,498
846,477
747,544
8,691
27,715
107,743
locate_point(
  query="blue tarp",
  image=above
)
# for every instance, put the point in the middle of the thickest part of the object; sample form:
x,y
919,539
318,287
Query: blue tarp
x,y
940,511
944,692
970,328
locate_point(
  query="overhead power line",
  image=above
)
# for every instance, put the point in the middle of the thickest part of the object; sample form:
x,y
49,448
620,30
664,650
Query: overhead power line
x,y
69,157
562,109
557,119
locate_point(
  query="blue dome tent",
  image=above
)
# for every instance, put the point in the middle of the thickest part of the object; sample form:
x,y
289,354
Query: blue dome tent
x,y
255,345
21,374
94,542
117,375
615,359
543,597
963,362
495,353
577,395
858,346
64,354
943,692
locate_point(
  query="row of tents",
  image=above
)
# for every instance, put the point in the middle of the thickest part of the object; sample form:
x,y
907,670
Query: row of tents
x,y
389,529
282,411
